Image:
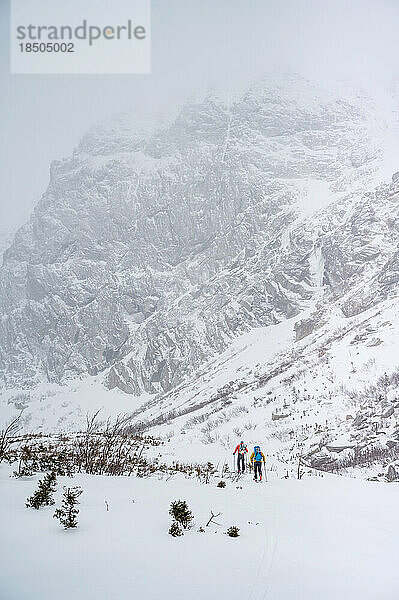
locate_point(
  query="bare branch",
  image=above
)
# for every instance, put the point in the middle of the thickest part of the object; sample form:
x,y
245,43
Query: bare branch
x,y
213,517
7,434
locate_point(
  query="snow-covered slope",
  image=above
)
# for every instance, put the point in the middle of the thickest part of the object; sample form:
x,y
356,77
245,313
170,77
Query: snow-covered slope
x,y
302,400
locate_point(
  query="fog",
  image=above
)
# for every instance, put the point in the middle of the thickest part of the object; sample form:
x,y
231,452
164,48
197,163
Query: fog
x,y
196,45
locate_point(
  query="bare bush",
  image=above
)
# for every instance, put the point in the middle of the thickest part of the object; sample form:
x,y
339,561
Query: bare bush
x,y
248,426
238,431
7,434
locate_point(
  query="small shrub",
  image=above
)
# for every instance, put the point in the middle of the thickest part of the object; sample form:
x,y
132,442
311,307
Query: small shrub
x,y
210,470
175,530
24,471
67,514
181,513
26,466
233,531
221,484
44,494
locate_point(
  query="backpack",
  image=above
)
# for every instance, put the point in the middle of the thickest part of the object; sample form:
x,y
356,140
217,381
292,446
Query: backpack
x,y
257,454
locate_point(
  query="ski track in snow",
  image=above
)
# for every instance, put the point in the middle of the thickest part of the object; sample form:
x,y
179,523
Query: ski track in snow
x,y
261,583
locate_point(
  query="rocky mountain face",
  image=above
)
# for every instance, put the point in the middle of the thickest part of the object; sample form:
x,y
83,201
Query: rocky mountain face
x,y
154,247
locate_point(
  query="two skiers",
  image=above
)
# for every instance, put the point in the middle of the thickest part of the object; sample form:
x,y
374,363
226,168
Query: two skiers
x,y
241,450
256,459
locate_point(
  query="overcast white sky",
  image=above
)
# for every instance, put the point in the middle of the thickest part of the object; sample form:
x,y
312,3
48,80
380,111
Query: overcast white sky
x,y
196,44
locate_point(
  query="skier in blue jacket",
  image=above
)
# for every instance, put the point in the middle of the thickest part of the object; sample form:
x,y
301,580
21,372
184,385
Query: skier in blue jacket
x,y
256,459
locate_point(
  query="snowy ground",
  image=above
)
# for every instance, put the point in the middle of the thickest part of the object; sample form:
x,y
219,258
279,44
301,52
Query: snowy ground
x,y
321,537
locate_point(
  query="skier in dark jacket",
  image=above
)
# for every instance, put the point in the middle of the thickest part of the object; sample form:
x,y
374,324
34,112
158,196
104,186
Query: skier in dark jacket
x,y
241,450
